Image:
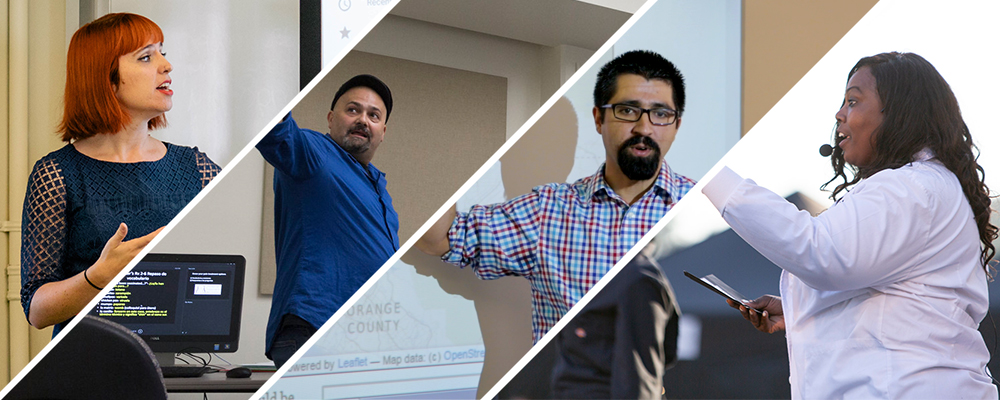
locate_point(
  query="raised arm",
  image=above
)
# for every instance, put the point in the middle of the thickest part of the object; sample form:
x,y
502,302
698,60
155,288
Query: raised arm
x,y
881,232
287,148
494,240
435,241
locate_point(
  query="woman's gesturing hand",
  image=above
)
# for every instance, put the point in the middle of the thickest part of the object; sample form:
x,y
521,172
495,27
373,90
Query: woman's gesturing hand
x,y
117,254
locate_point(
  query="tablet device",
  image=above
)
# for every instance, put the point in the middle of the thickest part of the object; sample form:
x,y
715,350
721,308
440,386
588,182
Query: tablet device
x,y
718,286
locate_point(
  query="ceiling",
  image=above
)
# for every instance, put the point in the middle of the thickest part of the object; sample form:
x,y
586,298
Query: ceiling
x,y
550,22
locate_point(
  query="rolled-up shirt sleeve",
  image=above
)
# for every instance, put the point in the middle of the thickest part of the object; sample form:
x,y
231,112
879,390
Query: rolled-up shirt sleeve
x,y
496,240
877,234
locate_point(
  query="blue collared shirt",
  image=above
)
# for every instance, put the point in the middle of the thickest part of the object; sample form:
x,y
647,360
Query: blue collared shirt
x,y
334,224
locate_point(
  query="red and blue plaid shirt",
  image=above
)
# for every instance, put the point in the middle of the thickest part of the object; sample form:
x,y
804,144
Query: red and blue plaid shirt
x,y
562,237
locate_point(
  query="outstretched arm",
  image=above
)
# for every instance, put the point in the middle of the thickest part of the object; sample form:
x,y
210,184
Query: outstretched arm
x,y
881,232
495,240
435,241
288,150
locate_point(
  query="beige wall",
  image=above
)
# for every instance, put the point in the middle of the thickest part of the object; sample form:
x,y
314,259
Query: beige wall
x,y
782,40
441,116
34,51
504,305
529,82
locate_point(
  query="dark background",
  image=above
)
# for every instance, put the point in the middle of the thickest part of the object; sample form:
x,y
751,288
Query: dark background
x,y
735,361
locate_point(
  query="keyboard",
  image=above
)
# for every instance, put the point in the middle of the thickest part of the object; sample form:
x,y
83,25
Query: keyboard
x,y
183,371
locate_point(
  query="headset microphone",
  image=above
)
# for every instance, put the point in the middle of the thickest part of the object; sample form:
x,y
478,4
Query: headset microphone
x,y
825,150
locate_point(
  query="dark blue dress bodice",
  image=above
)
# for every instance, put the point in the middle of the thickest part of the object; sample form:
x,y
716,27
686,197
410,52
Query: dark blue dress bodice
x,y
75,203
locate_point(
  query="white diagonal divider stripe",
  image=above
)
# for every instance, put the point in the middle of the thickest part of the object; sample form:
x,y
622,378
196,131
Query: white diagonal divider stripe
x,y
194,202
458,194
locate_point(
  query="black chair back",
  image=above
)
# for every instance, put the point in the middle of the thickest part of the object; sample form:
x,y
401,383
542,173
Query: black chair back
x,y
98,359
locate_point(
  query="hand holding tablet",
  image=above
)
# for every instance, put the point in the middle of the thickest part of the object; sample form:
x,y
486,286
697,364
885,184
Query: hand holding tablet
x,y
718,286
765,313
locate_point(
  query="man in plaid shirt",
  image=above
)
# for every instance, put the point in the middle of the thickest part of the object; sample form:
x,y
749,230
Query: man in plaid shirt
x,y
565,237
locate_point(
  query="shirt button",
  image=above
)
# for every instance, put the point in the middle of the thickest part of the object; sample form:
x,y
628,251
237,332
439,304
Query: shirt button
x,y
581,333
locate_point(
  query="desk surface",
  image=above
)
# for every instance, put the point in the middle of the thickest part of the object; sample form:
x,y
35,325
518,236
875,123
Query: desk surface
x,y
217,382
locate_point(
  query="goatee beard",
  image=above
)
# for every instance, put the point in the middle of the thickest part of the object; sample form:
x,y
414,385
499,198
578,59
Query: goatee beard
x,y
639,168
355,145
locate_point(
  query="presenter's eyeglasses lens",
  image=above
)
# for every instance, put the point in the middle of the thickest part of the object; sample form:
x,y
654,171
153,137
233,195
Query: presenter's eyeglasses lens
x,y
657,116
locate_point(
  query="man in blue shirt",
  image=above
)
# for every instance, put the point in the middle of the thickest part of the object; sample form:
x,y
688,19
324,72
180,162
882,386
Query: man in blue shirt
x,y
333,218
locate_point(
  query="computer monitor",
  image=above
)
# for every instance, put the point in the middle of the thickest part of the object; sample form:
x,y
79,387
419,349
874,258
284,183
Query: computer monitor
x,y
180,303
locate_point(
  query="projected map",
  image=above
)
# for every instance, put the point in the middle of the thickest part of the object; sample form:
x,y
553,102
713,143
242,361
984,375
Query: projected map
x,y
405,337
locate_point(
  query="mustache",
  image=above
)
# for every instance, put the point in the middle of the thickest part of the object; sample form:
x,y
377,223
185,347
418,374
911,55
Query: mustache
x,y
360,128
644,140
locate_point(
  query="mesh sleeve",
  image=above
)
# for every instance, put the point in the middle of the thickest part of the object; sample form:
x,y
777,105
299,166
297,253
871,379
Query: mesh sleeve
x,y
43,230
206,168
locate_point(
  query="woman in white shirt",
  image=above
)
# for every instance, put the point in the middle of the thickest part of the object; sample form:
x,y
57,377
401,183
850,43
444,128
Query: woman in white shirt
x,y
882,294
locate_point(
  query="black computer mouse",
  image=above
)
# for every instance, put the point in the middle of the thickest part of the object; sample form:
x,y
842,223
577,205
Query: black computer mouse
x,y
239,372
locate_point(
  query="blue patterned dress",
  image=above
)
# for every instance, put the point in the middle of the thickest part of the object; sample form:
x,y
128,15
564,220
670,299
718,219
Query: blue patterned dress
x,y
75,203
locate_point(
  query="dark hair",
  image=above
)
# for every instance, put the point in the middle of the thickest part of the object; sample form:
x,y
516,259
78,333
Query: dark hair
x,y
920,111
644,63
371,82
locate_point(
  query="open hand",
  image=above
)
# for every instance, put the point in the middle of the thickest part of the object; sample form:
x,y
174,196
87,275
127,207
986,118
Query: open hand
x,y
772,319
117,254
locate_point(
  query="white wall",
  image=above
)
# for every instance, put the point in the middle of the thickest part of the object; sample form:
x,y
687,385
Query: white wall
x,y
235,66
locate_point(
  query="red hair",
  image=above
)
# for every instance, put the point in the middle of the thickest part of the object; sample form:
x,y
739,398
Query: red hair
x,y
92,74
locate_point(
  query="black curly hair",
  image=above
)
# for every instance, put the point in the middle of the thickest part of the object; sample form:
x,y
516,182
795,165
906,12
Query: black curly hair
x,y
920,112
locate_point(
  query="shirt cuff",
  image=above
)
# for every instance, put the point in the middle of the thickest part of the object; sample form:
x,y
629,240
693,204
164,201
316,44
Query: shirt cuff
x,y
721,187
456,242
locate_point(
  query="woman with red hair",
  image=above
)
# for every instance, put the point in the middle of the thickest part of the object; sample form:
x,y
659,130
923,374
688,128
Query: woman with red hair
x,y
92,205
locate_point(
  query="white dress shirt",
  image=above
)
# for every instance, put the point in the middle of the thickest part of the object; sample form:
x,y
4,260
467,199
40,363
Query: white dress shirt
x,y
883,292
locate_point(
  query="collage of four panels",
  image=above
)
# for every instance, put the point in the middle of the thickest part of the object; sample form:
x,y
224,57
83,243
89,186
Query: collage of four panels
x,y
419,199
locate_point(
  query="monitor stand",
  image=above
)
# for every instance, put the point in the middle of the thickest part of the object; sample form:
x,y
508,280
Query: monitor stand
x,y
170,369
166,359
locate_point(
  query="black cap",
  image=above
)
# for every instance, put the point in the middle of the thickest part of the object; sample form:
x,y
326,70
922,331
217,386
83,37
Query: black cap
x,y
370,82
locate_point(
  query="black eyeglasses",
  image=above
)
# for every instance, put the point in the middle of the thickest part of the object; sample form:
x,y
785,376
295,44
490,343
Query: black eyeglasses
x,y
657,116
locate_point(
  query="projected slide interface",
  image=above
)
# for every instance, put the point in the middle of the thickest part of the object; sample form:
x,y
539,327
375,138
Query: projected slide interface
x,y
164,298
